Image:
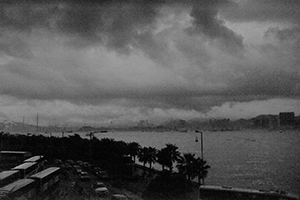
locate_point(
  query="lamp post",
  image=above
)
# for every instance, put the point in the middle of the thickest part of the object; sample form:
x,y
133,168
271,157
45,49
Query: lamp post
x,y
91,137
201,147
202,157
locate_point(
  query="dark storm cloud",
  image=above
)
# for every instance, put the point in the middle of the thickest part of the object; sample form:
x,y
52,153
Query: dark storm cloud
x,y
113,25
206,22
66,50
24,16
116,24
263,10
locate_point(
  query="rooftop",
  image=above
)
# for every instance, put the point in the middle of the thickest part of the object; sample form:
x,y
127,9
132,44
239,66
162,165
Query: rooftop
x,y
34,158
16,185
45,172
25,165
7,173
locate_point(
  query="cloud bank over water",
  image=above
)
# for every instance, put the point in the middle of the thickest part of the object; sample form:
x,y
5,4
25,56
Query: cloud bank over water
x,y
114,61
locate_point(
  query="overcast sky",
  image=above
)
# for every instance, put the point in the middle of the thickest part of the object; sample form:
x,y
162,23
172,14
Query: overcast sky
x,y
111,61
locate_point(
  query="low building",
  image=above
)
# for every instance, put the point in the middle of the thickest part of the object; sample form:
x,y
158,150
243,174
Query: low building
x,y
265,121
286,119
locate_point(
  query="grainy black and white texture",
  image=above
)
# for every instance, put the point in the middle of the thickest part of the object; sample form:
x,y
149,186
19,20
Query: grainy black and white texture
x,y
97,62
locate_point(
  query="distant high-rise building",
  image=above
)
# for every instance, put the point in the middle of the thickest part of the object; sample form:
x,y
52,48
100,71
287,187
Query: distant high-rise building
x,y
286,118
265,121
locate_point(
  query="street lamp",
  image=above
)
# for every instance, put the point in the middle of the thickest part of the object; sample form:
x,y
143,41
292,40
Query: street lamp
x,y
91,137
201,147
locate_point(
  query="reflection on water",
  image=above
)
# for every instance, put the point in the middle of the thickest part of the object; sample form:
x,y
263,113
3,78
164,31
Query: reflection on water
x,y
249,159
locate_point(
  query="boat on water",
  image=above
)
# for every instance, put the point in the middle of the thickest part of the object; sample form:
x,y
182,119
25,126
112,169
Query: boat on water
x,y
101,131
95,132
207,192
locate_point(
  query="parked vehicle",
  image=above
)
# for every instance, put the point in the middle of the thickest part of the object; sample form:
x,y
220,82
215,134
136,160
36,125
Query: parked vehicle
x,y
35,186
84,176
26,169
95,169
77,169
79,162
98,185
118,197
8,176
68,166
86,164
57,162
102,175
22,188
71,162
47,178
102,191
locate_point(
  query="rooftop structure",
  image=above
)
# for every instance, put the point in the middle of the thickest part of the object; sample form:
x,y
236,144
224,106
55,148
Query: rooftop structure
x,y
34,158
16,185
25,165
7,173
45,172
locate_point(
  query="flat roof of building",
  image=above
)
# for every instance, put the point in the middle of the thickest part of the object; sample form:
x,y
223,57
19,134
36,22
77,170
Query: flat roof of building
x,y
16,185
24,165
5,174
34,158
45,172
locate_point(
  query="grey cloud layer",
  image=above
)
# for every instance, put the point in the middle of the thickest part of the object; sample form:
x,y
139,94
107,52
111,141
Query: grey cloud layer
x,y
206,66
263,10
115,24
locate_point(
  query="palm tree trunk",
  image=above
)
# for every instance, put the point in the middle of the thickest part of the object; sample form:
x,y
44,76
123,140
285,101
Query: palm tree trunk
x,y
144,168
150,167
199,180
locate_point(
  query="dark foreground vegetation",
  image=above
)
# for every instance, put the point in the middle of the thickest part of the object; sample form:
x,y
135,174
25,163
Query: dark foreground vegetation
x,y
118,158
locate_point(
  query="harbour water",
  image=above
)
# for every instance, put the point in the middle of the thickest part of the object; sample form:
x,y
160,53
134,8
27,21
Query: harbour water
x,y
248,159
256,159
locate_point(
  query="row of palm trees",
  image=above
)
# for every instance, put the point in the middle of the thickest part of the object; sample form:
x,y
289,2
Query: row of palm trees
x,y
187,164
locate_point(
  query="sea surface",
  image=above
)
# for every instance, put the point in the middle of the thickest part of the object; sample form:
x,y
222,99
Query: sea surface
x,y
256,159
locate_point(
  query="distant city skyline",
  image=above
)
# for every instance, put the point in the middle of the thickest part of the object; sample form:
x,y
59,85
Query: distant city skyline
x,y
146,122
282,121
121,62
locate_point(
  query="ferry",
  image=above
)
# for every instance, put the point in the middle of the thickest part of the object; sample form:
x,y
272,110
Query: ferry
x,y
211,192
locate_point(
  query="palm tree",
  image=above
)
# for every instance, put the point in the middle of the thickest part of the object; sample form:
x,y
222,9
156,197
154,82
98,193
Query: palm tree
x,y
162,158
168,155
133,149
201,168
151,156
191,167
186,167
143,157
